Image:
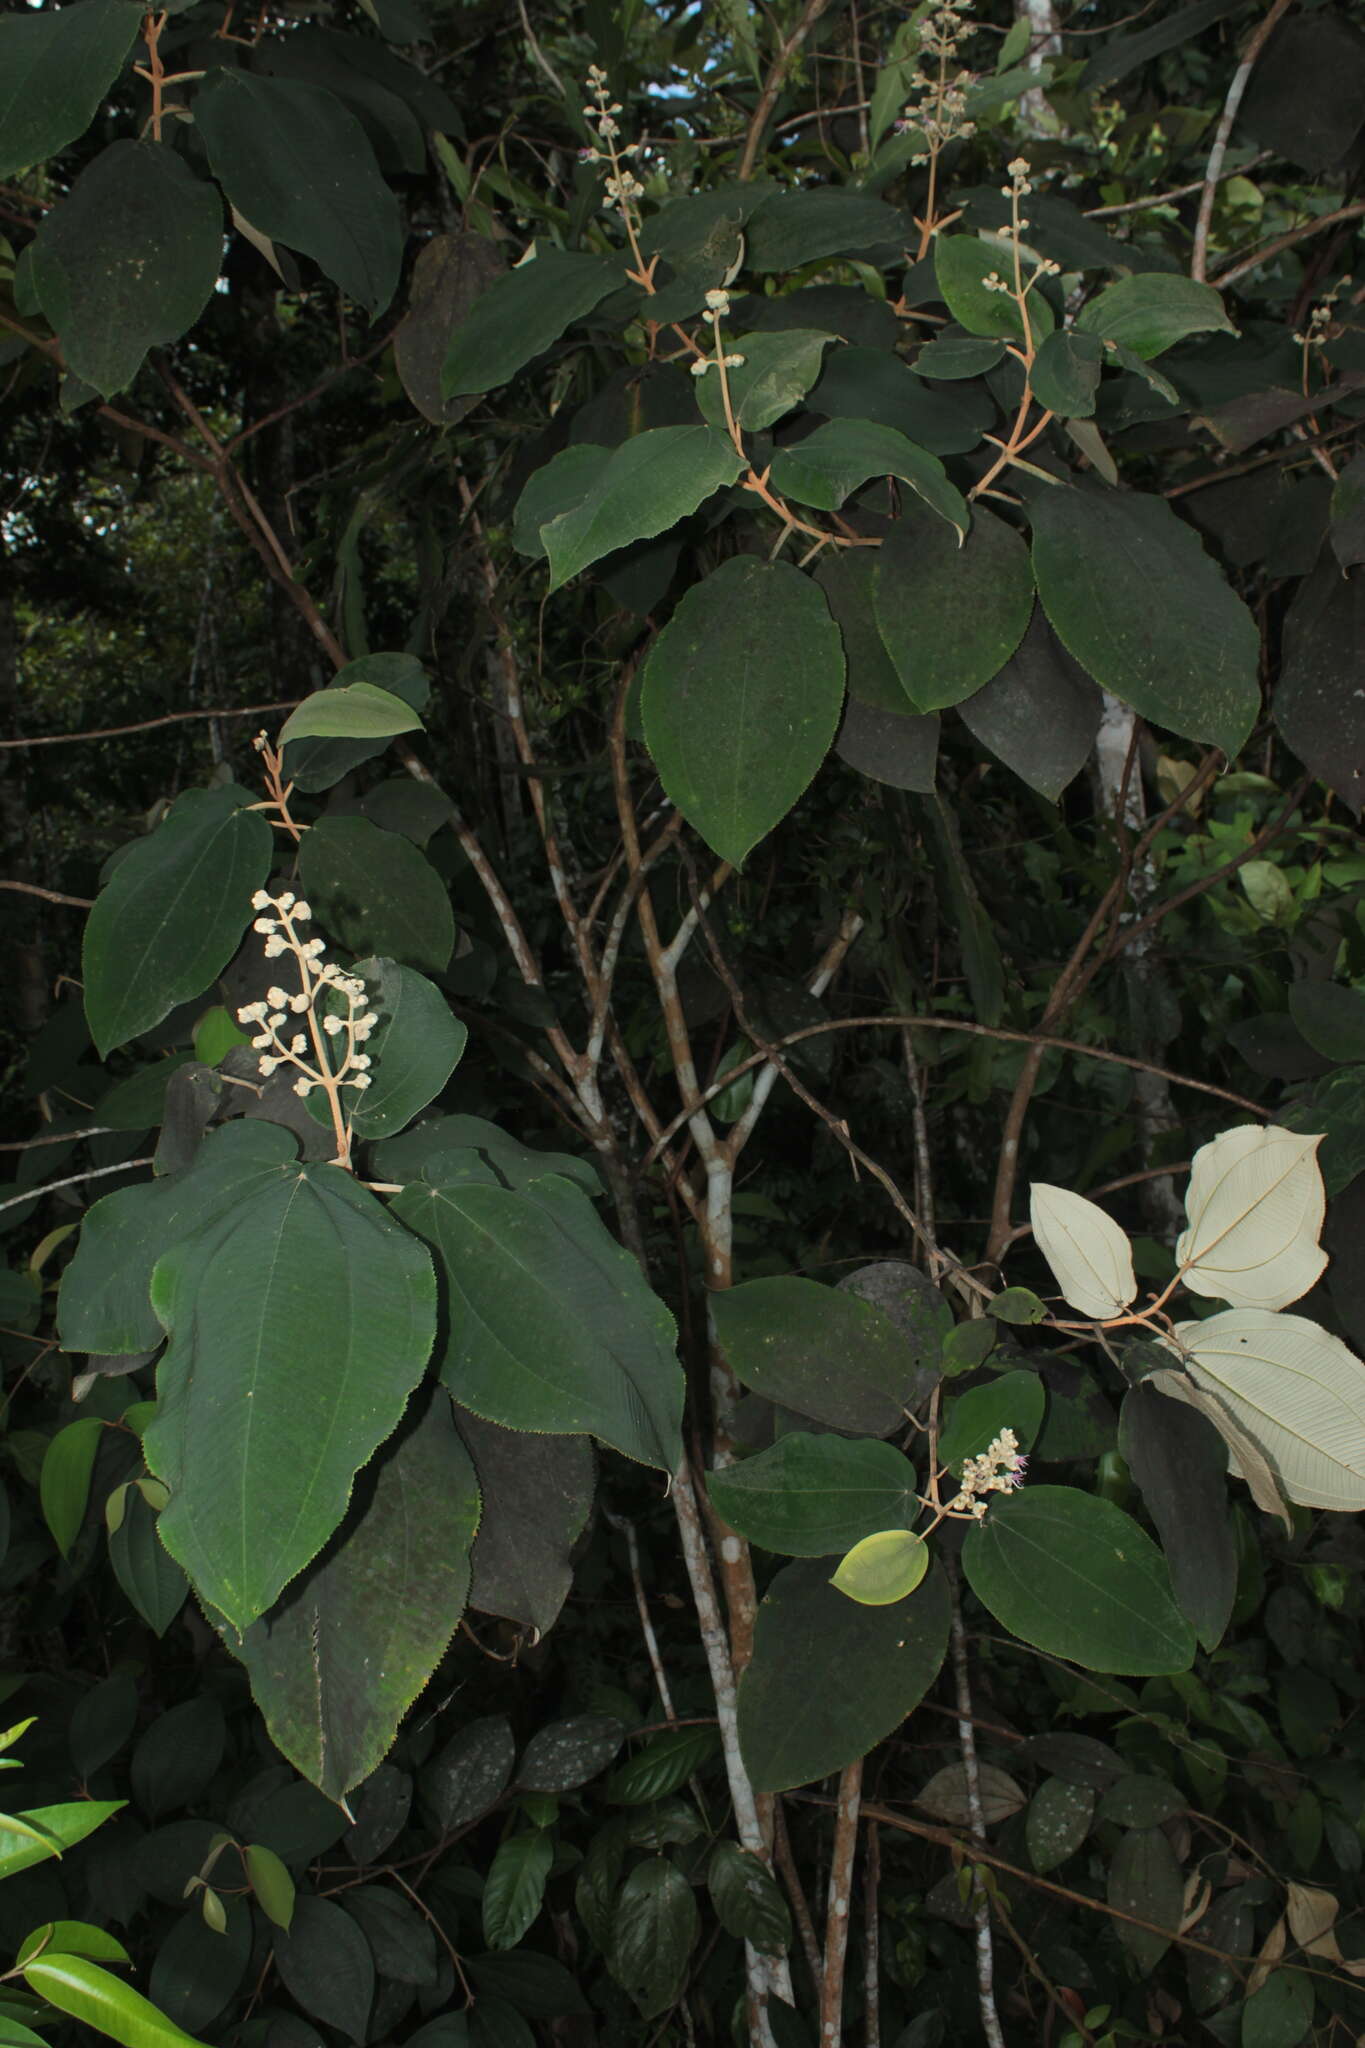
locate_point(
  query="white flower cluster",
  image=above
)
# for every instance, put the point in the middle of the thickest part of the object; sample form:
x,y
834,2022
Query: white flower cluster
x,y
999,1469
938,102
320,980
717,306
1018,188
622,187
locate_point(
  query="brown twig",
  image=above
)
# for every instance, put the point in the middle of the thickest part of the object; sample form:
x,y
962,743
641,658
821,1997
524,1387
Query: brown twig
x,y
48,895
1179,191
1287,241
785,1863
773,84
1240,79
72,1180
111,732
57,1138
839,1909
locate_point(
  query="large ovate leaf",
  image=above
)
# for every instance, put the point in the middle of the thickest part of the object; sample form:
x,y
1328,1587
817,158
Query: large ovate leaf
x,y
55,68
1256,1206
748,1901
298,165
1040,714
645,486
144,1568
970,272
1010,1400
1190,662
358,710
320,759
515,1887
950,612
1077,1578
415,1048
127,259
1066,373
537,1495
38,1833
1320,700
741,698
98,1999
1149,312
798,1719
830,463
172,913
813,1496
1089,1254
776,373
549,1323
377,893
1299,1394
1178,1460
818,1350
326,1965
104,1304
336,1665
654,1927
792,228
298,1326
521,313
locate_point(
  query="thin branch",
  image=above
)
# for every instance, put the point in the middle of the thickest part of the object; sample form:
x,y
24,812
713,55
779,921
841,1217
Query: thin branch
x,y
872,1972
1179,192
1240,79
48,895
72,1180
1287,241
791,1878
57,1138
773,84
839,1909
539,55
966,1736
52,350
625,1527
111,732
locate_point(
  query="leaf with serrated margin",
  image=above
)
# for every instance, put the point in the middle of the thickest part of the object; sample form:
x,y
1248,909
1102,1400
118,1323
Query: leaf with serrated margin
x,y
55,68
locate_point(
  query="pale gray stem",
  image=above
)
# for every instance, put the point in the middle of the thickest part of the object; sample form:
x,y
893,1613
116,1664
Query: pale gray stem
x,y
72,1180
981,1906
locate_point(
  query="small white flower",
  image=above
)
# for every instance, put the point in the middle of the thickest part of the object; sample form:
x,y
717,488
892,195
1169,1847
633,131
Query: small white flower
x,y
298,1043
331,1025
312,949
302,913
718,301
264,924
286,902
734,362
274,946
298,1004
360,1081
701,366
303,1087
276,998
261,900
360,1060
263,1039
269,1064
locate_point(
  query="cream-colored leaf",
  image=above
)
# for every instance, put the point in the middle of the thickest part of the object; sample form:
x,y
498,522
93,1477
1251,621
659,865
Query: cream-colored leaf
x,y
1299,1394
1312,1916
1255,1205
882,1568
1245,1459
1088,1253
946,1797
1272,1949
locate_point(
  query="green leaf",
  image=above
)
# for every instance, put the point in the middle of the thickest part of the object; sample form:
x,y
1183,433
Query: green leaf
x,y
1331,1018
1077,1578
1040,714
793,228
64,1484
741,698
127,259
176,1757
336,1665
794,1723
55,69
1146,1882
172,913
270,1397
376,893
1280,2013
216,1034
873,384
1017,1305
318,763
1058,1821
537,1495
521,313
666,1762
836,458
104,1303
1013,1400
645,486
298,165
144,1568
1152,310
271,1884
71,1938
968,1345
962,264
515,1887
325,1964
416,1047
950,613
747,1900
559,486
1066,373
551,1325
101,1723
813,1496
89,1994
953,356
882,1568
1348,513
654,1927
470,1774
202,1961
43,1831
778,370
355,711
1189,663
818,1350
566,1754
1320,701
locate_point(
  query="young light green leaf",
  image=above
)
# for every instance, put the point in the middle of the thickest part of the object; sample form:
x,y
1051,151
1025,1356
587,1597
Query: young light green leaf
x,y
883,1567
71,1938
515,1887
271,1883
1151,310
89,1994
645,486
355,711
43,1831
64,1483
741,698
1089,1254
55,68
837,457
172,913
1299,1394
1256,1205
